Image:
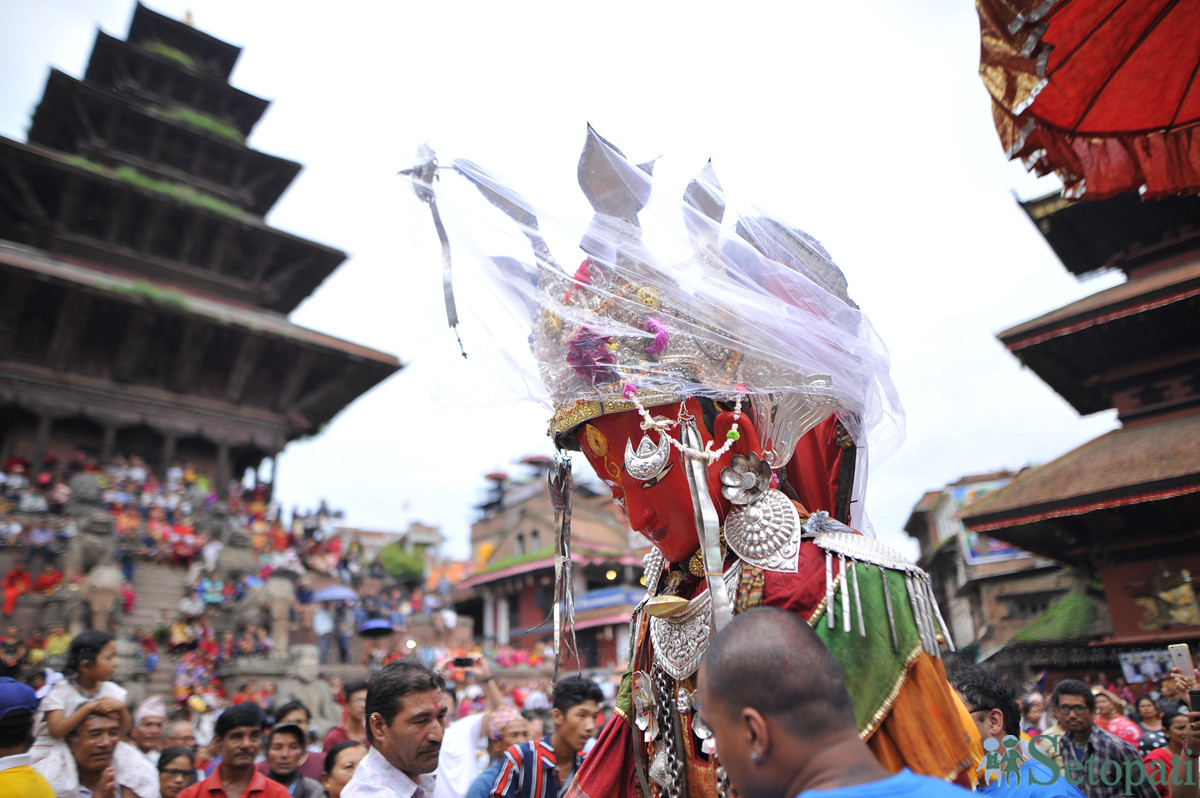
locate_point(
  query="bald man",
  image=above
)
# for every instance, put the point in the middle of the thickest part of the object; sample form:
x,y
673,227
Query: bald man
x,y
782,720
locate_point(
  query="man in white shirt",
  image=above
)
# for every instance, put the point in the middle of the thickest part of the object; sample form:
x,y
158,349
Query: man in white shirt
x,y
465,738
323,627
406,716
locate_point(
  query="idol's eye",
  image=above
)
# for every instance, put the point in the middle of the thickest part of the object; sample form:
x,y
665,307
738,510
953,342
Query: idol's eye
x,y
618,493
650,483
649,460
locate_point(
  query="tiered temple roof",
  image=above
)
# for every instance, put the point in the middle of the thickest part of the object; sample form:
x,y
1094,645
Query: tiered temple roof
x,y
142,295
1125,506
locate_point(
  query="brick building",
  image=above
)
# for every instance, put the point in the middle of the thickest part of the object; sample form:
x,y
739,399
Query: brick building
x,y
510,588
989,590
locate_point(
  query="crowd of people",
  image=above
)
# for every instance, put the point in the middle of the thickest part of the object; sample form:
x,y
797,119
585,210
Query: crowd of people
x,y
453,730
159,516
770,696
83,738
165,518
1133,713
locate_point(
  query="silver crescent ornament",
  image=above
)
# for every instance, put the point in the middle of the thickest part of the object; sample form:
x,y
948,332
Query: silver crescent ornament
x,y
649,460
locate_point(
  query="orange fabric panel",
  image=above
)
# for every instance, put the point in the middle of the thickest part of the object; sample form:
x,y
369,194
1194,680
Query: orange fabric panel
x,y
928,729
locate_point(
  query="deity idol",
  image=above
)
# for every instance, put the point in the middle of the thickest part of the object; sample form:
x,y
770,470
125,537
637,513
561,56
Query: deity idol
x,y
726,398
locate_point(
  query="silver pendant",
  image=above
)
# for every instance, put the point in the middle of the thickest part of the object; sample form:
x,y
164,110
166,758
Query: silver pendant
x,y
643,706
683,702
862,627
680,640
702,732
845,591
766,533
659,771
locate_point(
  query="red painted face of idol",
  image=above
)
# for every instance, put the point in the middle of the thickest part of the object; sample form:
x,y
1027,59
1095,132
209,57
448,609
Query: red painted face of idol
x,y
660,508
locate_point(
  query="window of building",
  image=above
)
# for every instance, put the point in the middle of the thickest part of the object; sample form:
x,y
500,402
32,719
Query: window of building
x,y
1028,605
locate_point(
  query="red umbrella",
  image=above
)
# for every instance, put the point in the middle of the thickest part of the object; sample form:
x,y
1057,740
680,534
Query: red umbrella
x,y
1103,92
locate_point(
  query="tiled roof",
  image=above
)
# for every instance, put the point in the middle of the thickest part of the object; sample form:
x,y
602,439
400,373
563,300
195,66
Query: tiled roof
x,y
1126,466
927,501
1134,296
39,264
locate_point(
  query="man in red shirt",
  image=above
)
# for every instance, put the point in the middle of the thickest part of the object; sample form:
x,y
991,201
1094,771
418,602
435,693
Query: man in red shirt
x,y
238,735
356,712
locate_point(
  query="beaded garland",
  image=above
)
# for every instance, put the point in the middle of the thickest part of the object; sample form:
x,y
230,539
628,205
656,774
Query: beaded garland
x,y
708,455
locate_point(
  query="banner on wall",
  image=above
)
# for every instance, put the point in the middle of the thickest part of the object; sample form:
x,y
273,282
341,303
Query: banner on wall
x,y
979,548
1144,666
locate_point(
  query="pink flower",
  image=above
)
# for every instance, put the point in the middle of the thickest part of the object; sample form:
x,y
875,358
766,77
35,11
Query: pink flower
x,y
661,336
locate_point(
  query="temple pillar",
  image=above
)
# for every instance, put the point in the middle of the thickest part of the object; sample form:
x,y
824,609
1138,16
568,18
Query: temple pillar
x,y
108,443
72,315
489,615
170,440
224,470
12,305
295,380
502,621
41,441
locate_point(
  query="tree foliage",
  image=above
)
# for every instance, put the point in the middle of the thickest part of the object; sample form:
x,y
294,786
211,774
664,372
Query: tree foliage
x,y
400,565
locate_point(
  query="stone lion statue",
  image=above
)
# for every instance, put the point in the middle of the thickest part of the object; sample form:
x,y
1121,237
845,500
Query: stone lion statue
x,y
270,606
95,541
305,685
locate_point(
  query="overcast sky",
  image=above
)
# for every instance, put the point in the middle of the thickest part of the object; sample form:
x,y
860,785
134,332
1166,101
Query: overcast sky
x,y
865,124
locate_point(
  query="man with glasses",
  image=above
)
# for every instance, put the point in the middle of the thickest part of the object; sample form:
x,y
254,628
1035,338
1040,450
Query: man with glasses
x,y
180,733
1099,761
992,705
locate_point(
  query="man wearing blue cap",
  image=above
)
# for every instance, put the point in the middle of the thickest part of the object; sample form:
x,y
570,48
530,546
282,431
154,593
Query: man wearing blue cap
x,y
18,704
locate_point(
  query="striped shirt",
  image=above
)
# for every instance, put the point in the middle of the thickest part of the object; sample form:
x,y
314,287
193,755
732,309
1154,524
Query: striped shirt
x,y
529,771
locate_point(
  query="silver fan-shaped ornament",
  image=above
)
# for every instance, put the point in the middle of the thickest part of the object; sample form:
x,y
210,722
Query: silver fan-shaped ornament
x,y
781,419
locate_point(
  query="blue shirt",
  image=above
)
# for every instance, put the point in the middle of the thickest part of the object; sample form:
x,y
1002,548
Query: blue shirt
x,y
1034,780
482,786
904,784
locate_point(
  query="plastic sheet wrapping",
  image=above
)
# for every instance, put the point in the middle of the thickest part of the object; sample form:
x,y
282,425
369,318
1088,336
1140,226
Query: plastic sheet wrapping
x,y
668,299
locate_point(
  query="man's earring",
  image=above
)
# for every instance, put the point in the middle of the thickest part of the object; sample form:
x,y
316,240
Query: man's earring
x,y
754,756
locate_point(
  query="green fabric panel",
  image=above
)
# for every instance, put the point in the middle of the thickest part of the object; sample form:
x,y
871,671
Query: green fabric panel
x,y
869,664
625,694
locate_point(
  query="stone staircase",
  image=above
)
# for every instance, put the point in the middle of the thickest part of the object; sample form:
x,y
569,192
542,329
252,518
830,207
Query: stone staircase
x,y
156,587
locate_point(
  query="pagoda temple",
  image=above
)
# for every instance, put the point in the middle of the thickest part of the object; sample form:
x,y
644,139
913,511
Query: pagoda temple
x,y
143,299
1124,507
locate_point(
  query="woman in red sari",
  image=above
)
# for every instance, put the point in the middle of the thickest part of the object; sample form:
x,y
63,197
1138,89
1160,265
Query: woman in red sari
x,y
48,580
16,582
